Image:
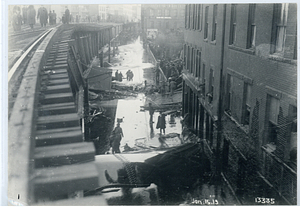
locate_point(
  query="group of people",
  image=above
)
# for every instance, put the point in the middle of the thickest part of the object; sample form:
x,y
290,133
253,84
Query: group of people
x,y
117,133
171,67
118,76
129,75
28,15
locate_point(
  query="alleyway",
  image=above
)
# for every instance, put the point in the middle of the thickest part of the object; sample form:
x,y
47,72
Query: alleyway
x,y
139,133
142,136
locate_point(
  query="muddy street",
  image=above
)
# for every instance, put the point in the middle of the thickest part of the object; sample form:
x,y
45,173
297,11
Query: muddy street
x,y
139,133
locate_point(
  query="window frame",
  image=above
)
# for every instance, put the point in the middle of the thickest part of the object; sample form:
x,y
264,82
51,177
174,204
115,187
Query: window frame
x,y
251,33
280,15
272,126
214,23
233,25
206,23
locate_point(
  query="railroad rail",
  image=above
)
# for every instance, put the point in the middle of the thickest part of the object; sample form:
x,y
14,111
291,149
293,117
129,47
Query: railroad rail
x,y
49,162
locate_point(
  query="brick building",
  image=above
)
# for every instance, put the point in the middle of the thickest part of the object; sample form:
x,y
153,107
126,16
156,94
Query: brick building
x,y
162,16
240,65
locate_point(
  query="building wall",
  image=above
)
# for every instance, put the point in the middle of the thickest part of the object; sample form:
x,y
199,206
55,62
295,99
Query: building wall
x,y
256,74
162,16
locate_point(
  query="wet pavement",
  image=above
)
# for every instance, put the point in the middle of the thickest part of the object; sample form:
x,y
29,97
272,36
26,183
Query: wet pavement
x,y
137,129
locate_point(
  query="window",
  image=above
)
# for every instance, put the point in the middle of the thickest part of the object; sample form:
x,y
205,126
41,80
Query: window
x,y
211,86
232,34
273,119
152,24
151,12
195,16
186,16
192,60
198,72
167,13
229,93
188,58
184,53
293,130
214,24
279,27
199,16
251,26
206,23
191,16
175,12
203,78
247,104
159,13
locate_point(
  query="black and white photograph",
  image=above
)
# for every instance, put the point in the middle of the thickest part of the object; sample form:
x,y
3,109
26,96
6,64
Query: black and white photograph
x,y
151,104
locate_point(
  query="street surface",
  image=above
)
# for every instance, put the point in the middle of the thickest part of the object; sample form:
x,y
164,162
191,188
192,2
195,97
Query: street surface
x,y
137,129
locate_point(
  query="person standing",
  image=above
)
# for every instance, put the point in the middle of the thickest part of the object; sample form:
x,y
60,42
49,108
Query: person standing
x,y
151,112
31,13
67,15
43,16
54,17
117,75
118,134
161,122
120,76
24,14
128,75
50,18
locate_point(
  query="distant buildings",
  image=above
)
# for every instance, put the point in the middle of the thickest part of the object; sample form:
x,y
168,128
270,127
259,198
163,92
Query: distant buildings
x,y
243,58
162,16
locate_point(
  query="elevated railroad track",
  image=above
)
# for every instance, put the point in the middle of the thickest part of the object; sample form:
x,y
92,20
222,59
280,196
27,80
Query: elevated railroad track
x,y
49,159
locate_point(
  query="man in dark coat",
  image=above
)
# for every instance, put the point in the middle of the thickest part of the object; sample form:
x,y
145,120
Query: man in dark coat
x,y
43,16
151,112
31,13
118,134
54,17
67,15
161,122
